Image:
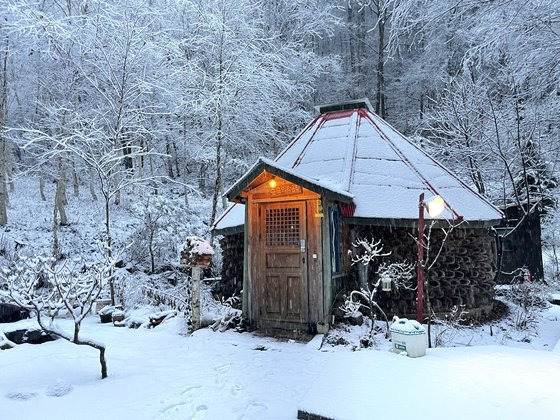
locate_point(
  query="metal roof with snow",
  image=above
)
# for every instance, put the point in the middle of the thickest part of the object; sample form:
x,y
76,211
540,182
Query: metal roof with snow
x,y
350,150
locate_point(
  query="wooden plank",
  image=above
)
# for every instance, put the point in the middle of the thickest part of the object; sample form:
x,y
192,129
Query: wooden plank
x,y
254,262
245,303
274,292
326,268
315,263
282,260
294,304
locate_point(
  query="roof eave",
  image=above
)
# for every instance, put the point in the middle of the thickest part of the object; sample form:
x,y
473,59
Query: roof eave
x,y
413,223
234,192
231,230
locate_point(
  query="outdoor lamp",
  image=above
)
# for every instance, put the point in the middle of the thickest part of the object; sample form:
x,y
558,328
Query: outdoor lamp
x,y
272,183
386,284
435,206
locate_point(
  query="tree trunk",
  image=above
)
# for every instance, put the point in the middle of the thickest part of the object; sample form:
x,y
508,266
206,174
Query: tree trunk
x,y
10,166
380,108
169,159
3,195
3,113
60,201
75,183
102,361
186,157
117,180
56,245
151,228
42,187
109,242
92,186
76,340
218,183
176,159
152,175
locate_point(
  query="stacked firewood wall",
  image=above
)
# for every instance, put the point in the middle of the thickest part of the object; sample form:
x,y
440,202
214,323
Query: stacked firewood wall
x,y
232,266
463,274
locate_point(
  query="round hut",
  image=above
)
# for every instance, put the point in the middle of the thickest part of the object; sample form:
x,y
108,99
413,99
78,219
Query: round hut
x,y
348,175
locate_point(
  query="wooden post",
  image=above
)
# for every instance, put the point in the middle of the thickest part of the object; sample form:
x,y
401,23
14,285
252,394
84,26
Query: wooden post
x,y
196,254
195,297
420,277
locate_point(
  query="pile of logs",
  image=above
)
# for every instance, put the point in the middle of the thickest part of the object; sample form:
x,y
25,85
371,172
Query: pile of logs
x,y
462,275
232,266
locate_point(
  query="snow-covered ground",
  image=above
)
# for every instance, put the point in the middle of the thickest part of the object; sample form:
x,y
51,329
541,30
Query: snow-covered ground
x,y
162,374
495,370
30,221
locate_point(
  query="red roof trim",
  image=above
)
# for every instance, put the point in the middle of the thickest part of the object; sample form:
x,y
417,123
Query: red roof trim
x,y
300,156
461,182
339,114
230,208
411,165
294,141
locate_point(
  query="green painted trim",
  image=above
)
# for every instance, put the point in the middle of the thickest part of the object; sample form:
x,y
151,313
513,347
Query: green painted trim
x,y
327,269
245,303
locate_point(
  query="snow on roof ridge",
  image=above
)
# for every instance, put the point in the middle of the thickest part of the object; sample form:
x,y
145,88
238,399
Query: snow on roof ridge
x,y
350,159
302,153
296,138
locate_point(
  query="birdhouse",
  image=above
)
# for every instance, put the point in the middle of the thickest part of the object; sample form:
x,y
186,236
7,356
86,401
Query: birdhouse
x,y
196,252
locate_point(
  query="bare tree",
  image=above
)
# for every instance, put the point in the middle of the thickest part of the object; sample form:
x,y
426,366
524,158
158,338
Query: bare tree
x,y
49,290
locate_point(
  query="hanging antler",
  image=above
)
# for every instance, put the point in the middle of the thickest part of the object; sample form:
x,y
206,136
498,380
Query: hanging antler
x,y
372,249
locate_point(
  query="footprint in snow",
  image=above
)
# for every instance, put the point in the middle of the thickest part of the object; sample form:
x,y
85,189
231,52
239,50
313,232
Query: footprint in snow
x,y
22,396
237,389
200,413
58,389
254,410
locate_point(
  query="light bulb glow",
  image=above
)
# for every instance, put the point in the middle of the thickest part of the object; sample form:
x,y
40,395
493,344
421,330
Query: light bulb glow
x,y
272,183
435,206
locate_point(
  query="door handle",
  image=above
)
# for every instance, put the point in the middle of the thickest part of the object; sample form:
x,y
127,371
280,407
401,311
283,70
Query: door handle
x,y
302,245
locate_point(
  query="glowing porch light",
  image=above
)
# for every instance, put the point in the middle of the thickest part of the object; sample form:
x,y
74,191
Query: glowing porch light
x,y
435,206
272,183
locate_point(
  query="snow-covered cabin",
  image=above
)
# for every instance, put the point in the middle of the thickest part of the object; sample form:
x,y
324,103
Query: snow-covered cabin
x,y
347,175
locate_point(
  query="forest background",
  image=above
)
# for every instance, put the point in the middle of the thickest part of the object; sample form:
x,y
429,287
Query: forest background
x,y
151,108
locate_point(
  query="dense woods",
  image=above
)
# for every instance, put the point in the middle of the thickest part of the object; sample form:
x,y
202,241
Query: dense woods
x,y
103,95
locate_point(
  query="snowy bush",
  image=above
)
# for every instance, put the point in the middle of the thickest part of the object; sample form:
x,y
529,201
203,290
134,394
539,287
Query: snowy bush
x,y
528,295
448,327
398,274
163,224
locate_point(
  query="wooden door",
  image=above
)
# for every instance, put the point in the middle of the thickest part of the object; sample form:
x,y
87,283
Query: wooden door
x,y
283,268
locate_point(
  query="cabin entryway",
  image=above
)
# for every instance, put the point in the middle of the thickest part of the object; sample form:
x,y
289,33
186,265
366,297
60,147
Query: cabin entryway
x,y
282,274
287,258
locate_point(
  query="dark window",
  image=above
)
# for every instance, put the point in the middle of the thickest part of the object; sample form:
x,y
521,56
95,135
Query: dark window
x,y
334,232
283,227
